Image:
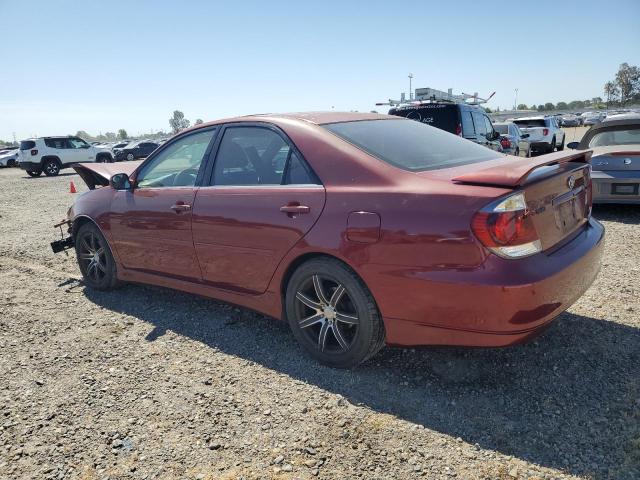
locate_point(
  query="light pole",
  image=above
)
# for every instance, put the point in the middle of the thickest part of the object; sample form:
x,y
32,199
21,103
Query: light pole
x,y
515,101
410,91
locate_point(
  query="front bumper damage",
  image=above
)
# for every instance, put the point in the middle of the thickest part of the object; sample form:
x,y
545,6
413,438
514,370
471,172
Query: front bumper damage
x,y
65,242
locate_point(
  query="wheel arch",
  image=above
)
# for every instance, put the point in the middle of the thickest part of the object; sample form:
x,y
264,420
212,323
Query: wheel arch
x,y
50,157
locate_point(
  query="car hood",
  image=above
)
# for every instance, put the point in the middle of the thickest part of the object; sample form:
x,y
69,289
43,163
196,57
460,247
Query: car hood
x,y
98,174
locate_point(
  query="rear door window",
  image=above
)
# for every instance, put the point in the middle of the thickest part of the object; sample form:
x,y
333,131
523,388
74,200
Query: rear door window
x,y
467,124
411,146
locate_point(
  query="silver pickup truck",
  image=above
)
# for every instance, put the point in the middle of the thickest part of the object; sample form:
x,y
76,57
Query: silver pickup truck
x,y
545,135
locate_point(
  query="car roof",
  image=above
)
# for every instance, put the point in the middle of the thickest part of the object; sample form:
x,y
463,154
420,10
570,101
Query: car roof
x,y
606,126
538,117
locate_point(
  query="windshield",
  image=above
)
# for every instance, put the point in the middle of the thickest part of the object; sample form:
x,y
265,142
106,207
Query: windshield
x,y
504,129
411,146
616,137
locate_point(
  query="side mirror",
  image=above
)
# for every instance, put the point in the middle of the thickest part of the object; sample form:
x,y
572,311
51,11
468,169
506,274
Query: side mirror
x,y
524,135
120,181
573,145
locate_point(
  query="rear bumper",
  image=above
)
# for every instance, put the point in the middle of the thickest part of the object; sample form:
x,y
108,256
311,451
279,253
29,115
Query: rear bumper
x,y
29,166
612,186
500,303
541,146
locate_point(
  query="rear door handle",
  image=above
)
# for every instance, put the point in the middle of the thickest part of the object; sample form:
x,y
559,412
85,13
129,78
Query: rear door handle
x,y
294,209
180,207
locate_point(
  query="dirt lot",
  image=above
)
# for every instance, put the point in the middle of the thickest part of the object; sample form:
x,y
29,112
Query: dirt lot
x,y
149,383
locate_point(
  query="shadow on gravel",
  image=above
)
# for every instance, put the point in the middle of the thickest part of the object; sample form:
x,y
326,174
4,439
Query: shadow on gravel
x,y
568,400
629,214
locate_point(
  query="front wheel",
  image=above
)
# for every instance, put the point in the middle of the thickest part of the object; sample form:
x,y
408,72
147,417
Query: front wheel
x,y
51,168
332,314
95,259
130,156
34,173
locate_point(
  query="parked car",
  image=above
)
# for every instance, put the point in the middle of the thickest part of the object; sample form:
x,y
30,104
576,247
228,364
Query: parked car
x,y
8,157
544,133
359,229
513,141
467,121
52,154
570,121
615,161
135,150
592,118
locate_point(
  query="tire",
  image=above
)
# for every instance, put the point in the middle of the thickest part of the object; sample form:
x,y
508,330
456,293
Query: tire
x,y
34,173
104,158
95,258
343,326
553,145
51,167
517,152
130,156
561,147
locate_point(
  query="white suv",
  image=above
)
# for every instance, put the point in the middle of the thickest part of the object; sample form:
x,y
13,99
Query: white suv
x,y
52,154
545,135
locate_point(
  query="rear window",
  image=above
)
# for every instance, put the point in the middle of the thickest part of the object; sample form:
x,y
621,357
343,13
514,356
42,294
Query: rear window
x,y
616,137
411,146
503,129
444,117
529,123
27,144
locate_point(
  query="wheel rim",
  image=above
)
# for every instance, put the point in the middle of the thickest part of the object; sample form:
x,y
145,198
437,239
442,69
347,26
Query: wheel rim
x,y
326,314
52,168
130,156
93,257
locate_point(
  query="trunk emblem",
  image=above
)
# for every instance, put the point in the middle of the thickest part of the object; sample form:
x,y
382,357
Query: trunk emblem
x,y
571,182
627,161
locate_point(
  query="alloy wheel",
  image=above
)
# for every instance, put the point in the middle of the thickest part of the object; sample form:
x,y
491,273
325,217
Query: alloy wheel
x,y
326,314
93,256
51,168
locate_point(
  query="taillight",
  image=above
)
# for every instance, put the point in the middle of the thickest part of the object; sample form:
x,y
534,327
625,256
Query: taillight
x,y
507,228
589,193
34,151
545,132
505,143
459,130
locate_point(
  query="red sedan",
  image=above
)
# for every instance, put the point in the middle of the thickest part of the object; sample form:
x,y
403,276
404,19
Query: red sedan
x,y
358,229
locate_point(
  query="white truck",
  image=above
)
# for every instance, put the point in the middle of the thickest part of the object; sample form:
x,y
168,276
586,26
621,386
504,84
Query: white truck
x,y
52,154
545,135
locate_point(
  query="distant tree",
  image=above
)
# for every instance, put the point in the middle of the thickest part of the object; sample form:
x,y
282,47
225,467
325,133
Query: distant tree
x,y
540,108
628,82
122,134
562,106
84,135
110,136
198,121
587,103
549,106
522,106
178,122
576,105
488,110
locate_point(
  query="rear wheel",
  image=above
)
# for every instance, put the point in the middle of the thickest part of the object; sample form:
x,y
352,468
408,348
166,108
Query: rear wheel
x,y
332,314
95,259
517,152
130,156
561,147
34,173
553,145
51,168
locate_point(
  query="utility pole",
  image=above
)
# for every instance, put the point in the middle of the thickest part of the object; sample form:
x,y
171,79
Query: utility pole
x,y
410,90
515,101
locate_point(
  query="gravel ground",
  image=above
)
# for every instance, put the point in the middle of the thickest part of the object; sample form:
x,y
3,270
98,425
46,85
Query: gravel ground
x,y
149,383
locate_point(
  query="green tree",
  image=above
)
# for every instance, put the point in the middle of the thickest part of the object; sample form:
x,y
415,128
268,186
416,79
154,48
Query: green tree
x,y
122,134
84,135
198,121
628,82
562,106
611,92
540,108
549,106
522,106
178,122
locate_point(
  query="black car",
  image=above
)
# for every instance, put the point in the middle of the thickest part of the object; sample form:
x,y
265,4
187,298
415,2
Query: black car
x,y
135,150
467,121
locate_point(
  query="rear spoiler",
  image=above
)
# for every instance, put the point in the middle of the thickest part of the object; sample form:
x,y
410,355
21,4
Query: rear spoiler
x,y
98,174
513,171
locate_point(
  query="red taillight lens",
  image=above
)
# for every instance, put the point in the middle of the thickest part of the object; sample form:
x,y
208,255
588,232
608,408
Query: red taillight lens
x,y
505,143
507,229
34,151
459,130
545,131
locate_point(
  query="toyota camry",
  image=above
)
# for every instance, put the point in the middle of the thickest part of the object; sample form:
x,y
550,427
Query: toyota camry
x,y
359,230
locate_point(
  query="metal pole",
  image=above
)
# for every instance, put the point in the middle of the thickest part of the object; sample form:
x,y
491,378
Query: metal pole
x,y
515,102
410,90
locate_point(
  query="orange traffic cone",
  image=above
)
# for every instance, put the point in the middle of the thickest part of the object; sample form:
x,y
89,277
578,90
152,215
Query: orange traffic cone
x,y
72,187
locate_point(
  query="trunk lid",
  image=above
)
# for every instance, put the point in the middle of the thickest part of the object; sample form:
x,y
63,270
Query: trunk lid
x,y
616,158
557,189
98,174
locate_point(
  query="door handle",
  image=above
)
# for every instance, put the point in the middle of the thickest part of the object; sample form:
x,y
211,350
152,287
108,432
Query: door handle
x,y
294,209
181,207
